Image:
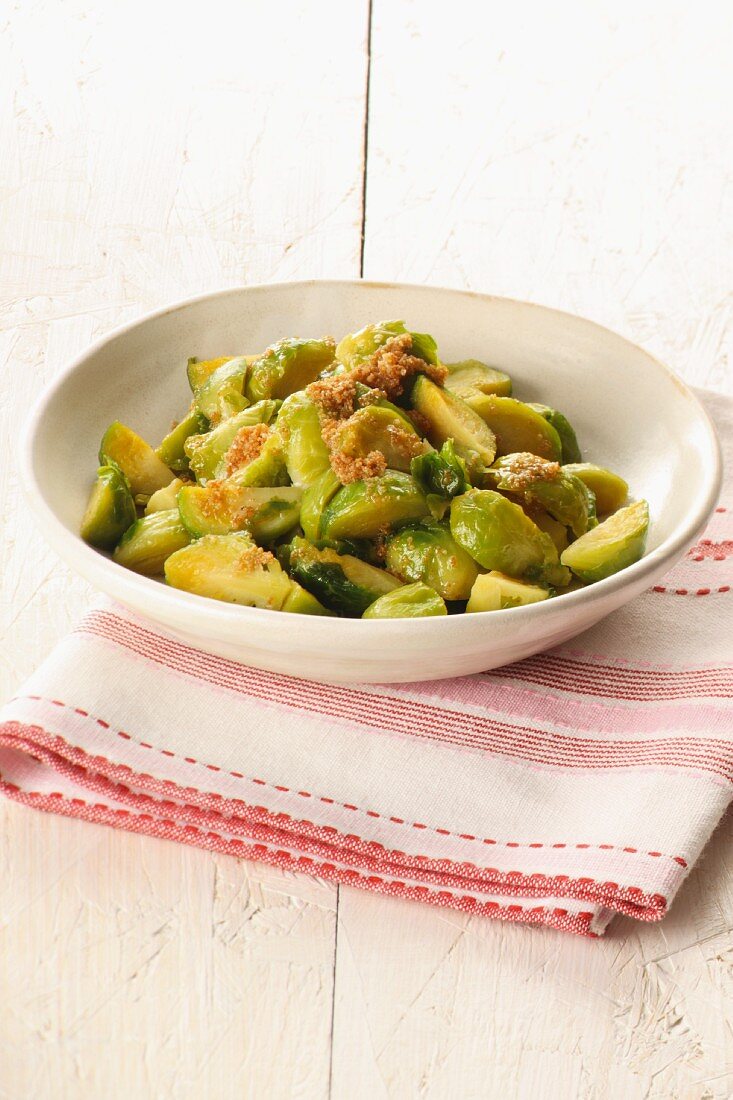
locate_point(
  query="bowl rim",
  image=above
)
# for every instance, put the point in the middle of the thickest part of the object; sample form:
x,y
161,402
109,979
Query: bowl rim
x,y
96,567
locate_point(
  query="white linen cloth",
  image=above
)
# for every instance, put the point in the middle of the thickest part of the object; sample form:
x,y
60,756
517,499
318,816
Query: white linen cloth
x,y
560,790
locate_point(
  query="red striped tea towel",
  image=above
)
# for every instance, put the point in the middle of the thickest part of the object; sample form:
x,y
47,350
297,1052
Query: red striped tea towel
x,y
560,790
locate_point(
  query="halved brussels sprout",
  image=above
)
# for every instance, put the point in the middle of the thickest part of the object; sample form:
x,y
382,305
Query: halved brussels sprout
x,y
299,425
609,489
412,601
222,506
359,346
563,427
566,498
222,394
316,499
376,428
138,461
110,510
612,545
287,366
557,531
341,582
198,371
166,498
172,450
267,469
427,552
146,545
229,568
302,602
496,592
449,417
471,376
517,426
206,452
366,509
499,535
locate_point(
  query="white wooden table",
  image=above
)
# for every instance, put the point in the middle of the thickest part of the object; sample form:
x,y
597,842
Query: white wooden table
x,y
574,154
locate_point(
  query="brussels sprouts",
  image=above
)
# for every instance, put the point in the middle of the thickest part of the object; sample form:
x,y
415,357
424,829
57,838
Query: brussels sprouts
x,y
449,417
164,499
495,592
410,602
315,501
288,366
609,489
222,395
122,447
557,531
341,582
427,552
302,602
222,506
471,376
517,426
230,568
565,430
172,450
499,535
207,452
566,498
306,455
441,474
267,469
146,545
612,545
110,510
198,371
376,428
358,346
366,509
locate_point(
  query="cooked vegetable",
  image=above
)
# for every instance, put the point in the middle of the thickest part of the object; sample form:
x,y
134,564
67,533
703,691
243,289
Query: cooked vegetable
x,y
123,447
288,366
612,545
367,509
223,506
299,425
341,582
410,602
110,510
496,592
166,498
222,394
383,429
471,376
358,346
230,568
449,417
427,552
207,452
172,450
609,489
565,430
364,479
499,535
566,498
517,426
146,545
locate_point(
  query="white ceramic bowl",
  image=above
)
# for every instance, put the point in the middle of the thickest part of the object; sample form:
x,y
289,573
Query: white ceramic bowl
x,y
630,412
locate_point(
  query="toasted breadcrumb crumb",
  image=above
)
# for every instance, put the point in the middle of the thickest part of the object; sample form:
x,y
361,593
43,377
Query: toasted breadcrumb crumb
x,y
334,395
246,446
348,468
253,557
392,365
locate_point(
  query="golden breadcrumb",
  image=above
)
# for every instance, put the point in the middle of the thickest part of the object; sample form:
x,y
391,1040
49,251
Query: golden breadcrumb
x,y
526,469
246,446
392,365
253,557
334,395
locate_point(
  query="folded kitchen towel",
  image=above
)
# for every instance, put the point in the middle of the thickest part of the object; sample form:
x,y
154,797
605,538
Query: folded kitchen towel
x,y
560,790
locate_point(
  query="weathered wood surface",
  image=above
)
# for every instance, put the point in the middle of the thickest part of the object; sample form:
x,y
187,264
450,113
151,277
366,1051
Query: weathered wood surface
x,y
575,155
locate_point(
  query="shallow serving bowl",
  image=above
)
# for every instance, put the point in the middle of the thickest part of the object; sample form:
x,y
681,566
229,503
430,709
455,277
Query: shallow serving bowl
x,y
630,412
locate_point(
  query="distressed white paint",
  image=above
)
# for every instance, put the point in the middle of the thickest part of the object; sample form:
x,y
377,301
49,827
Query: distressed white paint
x,y
574,154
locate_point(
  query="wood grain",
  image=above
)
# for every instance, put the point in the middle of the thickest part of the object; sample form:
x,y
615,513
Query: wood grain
x,y
573,155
